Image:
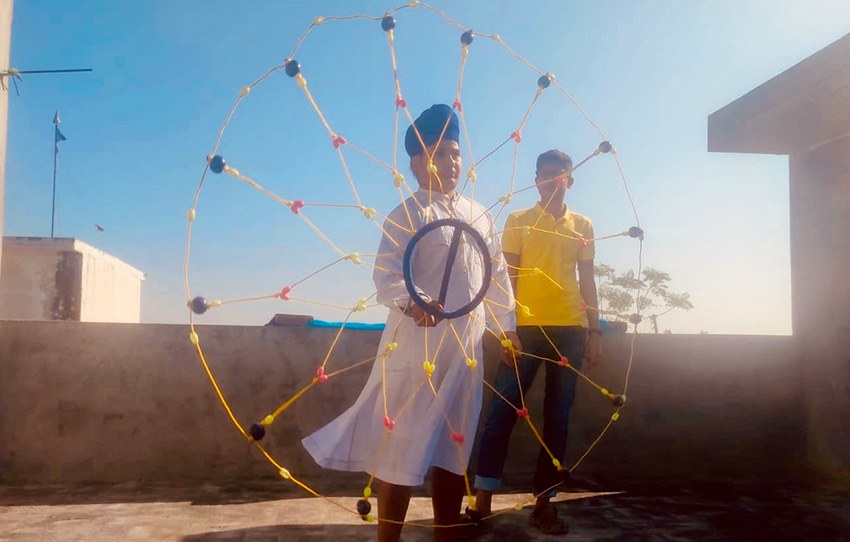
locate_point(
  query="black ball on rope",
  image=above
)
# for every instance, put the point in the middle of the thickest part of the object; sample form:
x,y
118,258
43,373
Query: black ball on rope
x,y
364,507
199,305
635,232
257,431
292,68
387,23
217,163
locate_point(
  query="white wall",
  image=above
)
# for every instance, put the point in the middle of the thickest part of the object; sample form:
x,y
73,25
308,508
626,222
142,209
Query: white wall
x,y
66,279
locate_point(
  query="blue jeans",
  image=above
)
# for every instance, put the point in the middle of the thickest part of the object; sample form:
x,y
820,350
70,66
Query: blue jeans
x,y
557,400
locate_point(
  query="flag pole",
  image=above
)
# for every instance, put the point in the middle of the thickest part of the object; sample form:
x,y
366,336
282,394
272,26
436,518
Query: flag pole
x,y
57,137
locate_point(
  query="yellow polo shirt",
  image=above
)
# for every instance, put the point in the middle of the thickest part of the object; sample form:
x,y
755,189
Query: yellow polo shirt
x,y
547,282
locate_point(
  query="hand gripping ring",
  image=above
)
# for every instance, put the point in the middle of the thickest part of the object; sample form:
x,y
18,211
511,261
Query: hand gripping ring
x,y
460,227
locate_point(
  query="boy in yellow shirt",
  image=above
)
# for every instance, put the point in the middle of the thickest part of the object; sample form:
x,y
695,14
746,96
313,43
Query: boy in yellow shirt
x,y
545,247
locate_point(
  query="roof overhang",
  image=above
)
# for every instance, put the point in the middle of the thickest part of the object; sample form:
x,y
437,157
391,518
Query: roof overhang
x,y
800,109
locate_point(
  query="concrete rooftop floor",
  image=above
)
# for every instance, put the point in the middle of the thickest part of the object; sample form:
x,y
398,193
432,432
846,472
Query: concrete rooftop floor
x,y
212,514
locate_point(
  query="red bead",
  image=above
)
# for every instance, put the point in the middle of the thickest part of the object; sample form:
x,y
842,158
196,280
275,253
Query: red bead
x,y
338,140
296,206
284,293
320,375
582,241
389,423
516,136
400,102
564,362
458,437
523,412
457,105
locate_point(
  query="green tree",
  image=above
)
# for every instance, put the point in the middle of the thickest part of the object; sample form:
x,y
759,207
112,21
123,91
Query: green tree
x,y
622,295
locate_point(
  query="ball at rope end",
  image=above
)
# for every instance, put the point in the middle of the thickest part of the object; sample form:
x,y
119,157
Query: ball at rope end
x,y
605,147
618,400
363,508
635,232
467,37
217,163
293,68
544,81
635,318
198,305
257,431
387,23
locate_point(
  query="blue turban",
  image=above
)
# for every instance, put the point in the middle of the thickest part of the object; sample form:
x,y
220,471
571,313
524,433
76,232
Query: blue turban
x,y
430,125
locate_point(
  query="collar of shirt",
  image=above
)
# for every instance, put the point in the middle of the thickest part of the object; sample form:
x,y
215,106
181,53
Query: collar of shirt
x,y
424,195
540,210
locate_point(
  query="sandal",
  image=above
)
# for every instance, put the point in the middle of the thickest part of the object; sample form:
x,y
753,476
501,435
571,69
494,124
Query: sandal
x,y
473,525
545,519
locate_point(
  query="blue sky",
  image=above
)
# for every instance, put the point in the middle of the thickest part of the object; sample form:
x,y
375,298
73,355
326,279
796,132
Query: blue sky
x,y
165,74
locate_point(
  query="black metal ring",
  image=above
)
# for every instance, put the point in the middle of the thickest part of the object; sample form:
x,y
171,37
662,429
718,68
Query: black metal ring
x,y
460,228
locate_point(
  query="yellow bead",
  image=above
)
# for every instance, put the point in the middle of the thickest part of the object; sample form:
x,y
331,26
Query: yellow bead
x,y
556,463
525,311
354,257
505,199
244,92
268,420
231,171
497,37
300,81
518,506
470,501
370,519
536,271
615,416
604,392
191,215
361,306
471,363
432,168
368,212
464,51
215,303
367,492
318,20
526,230
398,178
429,367
284,474
390,37
193,338
414,3
391,347
472,176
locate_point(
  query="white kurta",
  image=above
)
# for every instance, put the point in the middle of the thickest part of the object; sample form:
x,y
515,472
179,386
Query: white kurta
x,y
432,427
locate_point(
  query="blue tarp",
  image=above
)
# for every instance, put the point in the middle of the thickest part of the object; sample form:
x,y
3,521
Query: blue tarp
x,y
349,325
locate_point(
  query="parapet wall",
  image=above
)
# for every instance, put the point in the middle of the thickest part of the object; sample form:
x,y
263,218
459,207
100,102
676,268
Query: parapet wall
x,y
106,403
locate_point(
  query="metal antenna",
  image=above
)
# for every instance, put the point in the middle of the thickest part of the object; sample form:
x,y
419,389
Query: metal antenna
x,y
15,75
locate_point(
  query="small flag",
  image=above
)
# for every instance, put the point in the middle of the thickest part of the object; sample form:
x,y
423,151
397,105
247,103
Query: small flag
x,y
57,134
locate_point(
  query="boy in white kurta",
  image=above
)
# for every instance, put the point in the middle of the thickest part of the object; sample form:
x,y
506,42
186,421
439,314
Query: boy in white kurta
x,y
420,406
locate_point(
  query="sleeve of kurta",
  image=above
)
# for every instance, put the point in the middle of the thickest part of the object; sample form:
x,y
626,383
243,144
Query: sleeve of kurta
x,y
388,273
500,297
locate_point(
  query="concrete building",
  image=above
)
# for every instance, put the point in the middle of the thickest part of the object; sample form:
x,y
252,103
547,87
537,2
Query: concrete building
x,y
66,279
805,113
